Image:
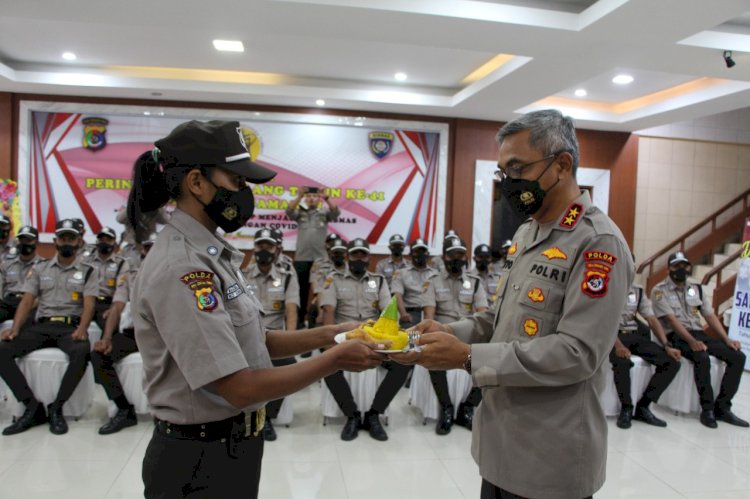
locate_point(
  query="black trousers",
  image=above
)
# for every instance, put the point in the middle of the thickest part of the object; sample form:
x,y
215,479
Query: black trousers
x,y
734,359
303,276
192,468
104,365
273,407
387,390
8,309
439,381
641,345
490,491
99,310
44,335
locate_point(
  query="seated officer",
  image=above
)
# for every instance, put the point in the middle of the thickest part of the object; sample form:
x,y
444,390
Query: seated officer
x,y
357,295
6,247
66,291
451,295
482,269
108,267
280,258
679,305
499,256
409,284
335,260
13,271
278,291
387,266
637,340
85,250
114,347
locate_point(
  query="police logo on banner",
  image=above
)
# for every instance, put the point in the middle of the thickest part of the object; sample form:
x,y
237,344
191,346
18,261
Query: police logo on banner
x,y
380,143
94,133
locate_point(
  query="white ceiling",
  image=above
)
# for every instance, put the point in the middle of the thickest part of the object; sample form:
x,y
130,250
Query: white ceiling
x,y
347,51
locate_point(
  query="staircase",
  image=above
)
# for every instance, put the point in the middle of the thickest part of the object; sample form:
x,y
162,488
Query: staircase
x,y
722,273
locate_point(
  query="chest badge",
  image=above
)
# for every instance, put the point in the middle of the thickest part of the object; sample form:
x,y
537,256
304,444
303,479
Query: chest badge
x,y
536,295
78,276
530,327
631,298
372,284
691,292
512,250
466,285
554,253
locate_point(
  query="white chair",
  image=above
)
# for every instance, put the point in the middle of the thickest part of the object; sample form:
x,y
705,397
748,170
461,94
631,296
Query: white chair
x,y
363,385
130,372
422,394
640,374
286,413
681,395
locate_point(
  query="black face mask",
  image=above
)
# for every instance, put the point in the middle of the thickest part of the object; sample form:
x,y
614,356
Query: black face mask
x,y
67,250
264,257
525,196
4,234
397,252
104,248
419,260
26,249
358,267
679,275
482,265
230,210
455,266
338,260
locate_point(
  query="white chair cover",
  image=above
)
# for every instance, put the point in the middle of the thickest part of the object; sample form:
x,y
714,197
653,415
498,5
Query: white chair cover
x,y
640,374
422,394
286,413
681,395
130,372
364,385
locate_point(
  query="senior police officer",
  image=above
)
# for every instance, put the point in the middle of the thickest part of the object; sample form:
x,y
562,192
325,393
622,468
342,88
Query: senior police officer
x,y
540,430
206,355
66,290
358,295
679,305
108,266
278,291
13,271
387,266
449,296
635,338
484,271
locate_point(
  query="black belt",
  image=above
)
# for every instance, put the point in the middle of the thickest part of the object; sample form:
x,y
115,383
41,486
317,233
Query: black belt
x,y
61,319
413,309
129,332
107,300
14,296
238,427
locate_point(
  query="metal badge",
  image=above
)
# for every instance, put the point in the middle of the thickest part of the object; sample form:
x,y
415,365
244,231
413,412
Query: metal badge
x,y
78,275
631,298
372,284
467,285
691,292
212,250
276,283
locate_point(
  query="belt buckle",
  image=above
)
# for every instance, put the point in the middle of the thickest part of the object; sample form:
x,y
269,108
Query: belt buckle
x,y
57,319
260,420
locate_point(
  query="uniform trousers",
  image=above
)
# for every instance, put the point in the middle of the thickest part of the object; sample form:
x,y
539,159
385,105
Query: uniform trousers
x,y
44,335
734,359
303,276
273,407
8,308
104,367
490,491
99,310
387,390
641,345
197,469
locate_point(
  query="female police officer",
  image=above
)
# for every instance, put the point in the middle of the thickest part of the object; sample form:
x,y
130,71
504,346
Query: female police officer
x,y
206,357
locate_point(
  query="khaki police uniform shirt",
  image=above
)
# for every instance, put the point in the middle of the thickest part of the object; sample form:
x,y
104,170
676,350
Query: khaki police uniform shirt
x,y
437,263
13,273
194,322
454,297
107,271
411,283
540,430
60,289
686,304
125,280
131,254
387,267
275,290
490,280
636,302
355,299
312,230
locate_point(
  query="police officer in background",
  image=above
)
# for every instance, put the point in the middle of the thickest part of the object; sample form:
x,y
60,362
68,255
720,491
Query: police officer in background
x,y
14,269
436,261
482,269
679,305
387,266
410,283
66,290
108,266
278,291
499,257
451,295
206,355
359,295
281,259
336,250
6,247
635,338
115,346
85,250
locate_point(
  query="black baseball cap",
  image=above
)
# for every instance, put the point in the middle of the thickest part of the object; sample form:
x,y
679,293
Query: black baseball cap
x,y
278,235
677,258
454,244
66,225
4,220
107,231
265,236
418,243
482,250
358,244
212,143
28,231
338,244
78,224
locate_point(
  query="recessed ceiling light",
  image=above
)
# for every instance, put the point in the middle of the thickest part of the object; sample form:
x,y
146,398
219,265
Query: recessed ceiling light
x,y
320,102
622,79
581,92
400,76
156,94
69,56
229,45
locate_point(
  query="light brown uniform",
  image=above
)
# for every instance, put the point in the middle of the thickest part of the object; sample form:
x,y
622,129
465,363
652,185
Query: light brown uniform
x,y
454,297
355,299
60,289
275,291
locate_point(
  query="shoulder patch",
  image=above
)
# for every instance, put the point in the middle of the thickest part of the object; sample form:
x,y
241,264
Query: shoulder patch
x,y
572,216
600,255
202,284
512,250
595,280
327,283
554,252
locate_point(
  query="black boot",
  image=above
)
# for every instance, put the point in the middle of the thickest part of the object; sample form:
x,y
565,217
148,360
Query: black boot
x,y
465,415
122,419
351,428
57,423
372,424
34,415
269,434
623,420
445,420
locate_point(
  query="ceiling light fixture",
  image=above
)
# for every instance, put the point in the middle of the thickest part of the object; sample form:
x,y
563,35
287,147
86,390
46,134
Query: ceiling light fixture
x,y
320,102
229,45
69,56
622,79
581,92
400,76
728,59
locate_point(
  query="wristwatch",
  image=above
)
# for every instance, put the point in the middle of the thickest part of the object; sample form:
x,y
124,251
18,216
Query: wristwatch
x,y
467,363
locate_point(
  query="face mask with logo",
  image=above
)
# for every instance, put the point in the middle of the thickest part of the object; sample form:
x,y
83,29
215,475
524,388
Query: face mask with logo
x,y
26,249
679,275
525,196
67,250
419,260
455,266
358,267
264,257
104,248
230,210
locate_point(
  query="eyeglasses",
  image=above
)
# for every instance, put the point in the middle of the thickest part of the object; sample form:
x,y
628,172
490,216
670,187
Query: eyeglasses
x,y
515,171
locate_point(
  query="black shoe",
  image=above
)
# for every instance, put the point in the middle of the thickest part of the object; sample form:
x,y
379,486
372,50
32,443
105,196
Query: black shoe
x,y
731,418
445,421
371,423
269,434
122,419
707,418
351,428
623,420
644,414
57,423
465,415
34,415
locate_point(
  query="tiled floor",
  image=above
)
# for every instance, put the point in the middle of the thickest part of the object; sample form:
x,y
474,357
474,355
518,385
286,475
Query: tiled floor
x,y
310,461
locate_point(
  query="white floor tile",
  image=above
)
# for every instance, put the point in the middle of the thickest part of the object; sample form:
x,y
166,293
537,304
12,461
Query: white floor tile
x,y
384,479
58,479
298,480
626,478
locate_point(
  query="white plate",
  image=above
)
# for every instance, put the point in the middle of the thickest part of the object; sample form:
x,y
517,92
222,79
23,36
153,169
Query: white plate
x,y
341,337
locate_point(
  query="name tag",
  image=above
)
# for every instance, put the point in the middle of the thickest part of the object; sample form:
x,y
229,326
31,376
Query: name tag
x,y
233,291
